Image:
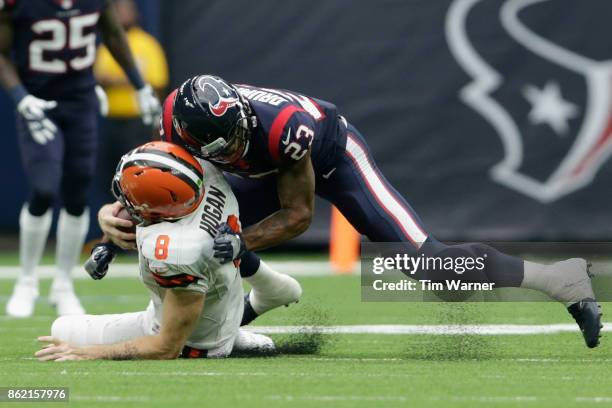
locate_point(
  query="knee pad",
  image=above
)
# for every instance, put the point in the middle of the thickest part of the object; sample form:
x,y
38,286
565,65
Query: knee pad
x,y
74,195
40,202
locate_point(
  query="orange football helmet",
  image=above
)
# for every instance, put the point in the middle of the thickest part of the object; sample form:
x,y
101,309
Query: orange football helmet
x,y
159,181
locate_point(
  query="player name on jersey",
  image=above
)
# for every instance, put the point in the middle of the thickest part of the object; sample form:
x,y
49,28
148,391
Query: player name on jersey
x,y
212,213
260,95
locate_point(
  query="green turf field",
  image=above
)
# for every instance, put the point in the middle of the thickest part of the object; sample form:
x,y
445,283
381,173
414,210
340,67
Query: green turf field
x,y
335,370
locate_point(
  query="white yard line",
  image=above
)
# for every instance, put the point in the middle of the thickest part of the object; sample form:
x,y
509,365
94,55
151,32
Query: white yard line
x,y
485,329
129,270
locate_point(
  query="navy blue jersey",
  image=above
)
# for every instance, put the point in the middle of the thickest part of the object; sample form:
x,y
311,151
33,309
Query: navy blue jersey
x,y
54,45
289,125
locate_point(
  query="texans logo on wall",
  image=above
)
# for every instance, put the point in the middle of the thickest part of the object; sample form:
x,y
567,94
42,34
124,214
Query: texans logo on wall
x,y
538,94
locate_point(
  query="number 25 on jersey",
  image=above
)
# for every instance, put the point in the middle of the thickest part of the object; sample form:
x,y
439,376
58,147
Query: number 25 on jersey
x,y
59,35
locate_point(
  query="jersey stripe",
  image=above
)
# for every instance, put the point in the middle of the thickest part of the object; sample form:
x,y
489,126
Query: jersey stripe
x,y
276,130
198,171
174,281
173,164
167,116
383,196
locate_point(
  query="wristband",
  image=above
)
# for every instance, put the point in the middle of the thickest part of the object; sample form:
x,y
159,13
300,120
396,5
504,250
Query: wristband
x,y
18,93
135,78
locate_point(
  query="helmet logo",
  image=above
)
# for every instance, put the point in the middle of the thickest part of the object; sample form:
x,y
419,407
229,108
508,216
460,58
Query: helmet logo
x,y
222,105
217,104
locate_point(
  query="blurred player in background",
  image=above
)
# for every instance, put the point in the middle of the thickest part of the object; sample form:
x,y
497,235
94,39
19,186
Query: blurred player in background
x,y
282,148
195,300
122,130
47,50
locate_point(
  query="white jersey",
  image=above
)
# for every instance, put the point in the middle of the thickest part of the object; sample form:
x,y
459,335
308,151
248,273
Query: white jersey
x,y
179,255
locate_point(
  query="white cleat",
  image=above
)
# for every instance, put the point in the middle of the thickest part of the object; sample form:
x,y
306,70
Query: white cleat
x,y
252,343
22,301
285,291
62,296
570,281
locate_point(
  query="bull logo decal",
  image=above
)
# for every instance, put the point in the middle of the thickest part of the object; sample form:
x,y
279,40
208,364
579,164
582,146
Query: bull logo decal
x,y
555,101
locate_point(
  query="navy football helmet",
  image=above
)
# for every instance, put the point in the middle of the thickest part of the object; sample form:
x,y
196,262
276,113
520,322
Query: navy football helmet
x,y
213,119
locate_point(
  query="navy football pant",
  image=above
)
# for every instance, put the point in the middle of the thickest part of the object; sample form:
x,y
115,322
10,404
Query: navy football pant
x,y
63,167
355,185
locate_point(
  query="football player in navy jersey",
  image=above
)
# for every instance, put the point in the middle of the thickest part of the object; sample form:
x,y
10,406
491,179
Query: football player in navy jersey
x,y
280,148
47,49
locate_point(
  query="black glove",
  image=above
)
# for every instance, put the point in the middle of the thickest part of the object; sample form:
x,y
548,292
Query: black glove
x,y
101,257
228,244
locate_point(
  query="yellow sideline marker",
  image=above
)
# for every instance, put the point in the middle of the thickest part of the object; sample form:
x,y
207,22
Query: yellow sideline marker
x,y
343,244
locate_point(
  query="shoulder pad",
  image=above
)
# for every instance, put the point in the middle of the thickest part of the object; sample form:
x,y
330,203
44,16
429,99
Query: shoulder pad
x,y
171,243
291,135
165,126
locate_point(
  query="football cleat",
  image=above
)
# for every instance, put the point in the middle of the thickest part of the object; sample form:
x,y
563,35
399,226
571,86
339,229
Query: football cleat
x,y
102,255
22,301
64,299
252,343
572,286
587,314
283,292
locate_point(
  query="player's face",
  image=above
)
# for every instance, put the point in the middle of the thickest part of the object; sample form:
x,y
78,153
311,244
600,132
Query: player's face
x,y
233,151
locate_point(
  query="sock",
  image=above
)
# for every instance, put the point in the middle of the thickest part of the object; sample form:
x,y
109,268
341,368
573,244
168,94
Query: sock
x,y
565,281
249,263
33,233
536,277
71,233
502,269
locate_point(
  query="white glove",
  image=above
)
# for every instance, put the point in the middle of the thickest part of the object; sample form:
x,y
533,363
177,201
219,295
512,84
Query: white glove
x,y
150,107
102,100
32,109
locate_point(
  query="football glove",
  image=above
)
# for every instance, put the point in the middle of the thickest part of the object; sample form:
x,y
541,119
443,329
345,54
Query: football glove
x,y
150,108
228,244
102,100
32,109
101,257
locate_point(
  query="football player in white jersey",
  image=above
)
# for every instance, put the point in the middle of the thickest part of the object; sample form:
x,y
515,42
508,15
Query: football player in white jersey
x,y
196,303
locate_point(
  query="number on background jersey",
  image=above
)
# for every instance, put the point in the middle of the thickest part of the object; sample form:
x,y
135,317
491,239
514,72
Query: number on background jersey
x,y
161,247
61,36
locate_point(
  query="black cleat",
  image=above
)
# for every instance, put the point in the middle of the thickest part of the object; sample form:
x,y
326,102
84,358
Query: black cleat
x,y
249,314
587,314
